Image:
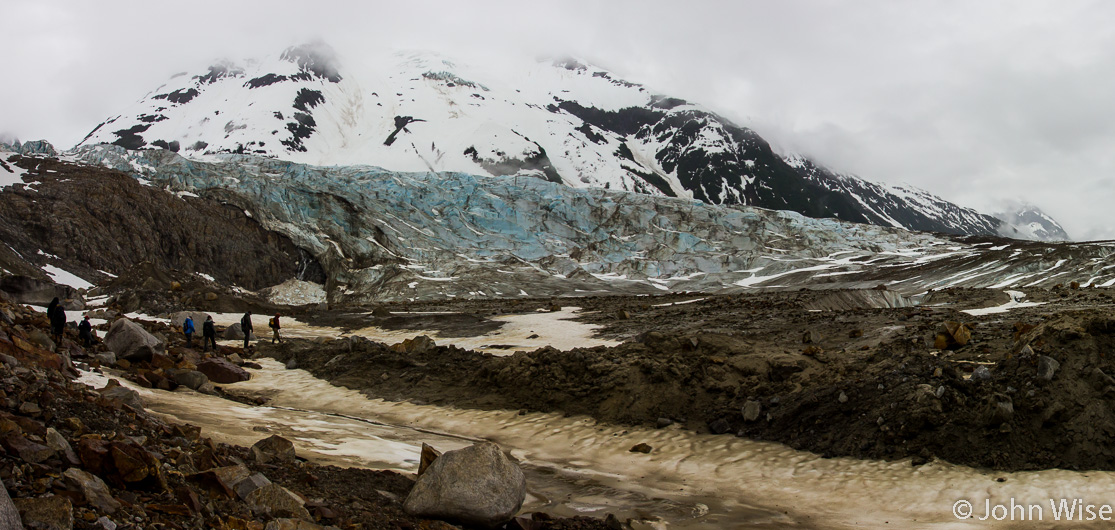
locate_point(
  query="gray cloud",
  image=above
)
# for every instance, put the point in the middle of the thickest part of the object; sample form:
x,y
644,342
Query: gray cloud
x,y
979,102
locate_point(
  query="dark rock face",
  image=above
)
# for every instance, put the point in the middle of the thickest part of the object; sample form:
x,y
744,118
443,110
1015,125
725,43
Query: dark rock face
x,y
739,167
96,220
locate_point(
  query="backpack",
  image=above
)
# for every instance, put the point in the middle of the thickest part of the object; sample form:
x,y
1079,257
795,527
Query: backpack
x,y
271,322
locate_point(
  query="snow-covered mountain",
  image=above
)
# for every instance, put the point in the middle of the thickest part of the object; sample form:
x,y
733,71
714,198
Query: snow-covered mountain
x,y
1027,221
561,121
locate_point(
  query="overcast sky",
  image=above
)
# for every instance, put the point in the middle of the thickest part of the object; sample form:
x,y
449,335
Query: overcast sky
x,y
980,102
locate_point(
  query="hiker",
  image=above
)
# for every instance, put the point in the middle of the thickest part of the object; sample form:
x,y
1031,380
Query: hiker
x,y
85,332
57,322
208,333
50,309
274,323
188,330
246,327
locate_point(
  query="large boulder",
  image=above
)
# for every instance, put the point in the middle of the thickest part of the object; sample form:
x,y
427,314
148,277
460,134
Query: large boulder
x,y
233,332
477,485
220,371
130,341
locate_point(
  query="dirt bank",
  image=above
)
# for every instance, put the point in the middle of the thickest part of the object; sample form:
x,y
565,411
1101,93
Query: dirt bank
x,y
868,383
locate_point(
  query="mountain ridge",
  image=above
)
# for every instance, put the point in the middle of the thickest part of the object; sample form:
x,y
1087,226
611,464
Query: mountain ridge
x,y
562,121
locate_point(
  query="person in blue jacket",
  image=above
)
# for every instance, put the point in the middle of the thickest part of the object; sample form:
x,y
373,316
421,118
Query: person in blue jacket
x,y
188,330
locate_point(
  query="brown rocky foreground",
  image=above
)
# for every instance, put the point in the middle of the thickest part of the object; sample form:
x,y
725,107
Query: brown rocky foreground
x,y
75,457
1030,388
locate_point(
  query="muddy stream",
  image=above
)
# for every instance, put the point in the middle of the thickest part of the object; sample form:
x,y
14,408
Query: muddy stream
x,y
575,465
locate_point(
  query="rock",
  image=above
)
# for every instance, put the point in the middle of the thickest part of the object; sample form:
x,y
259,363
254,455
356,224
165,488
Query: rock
x,y
221,371
235,359
751,410
222,479
131,342
106,523
46,513
622,314
274,448
475,485
277,501
40,339
129,397
28,408
208,388
106,359
210,297
427,457
419,344
662,423
810,337
94,489
1001,411
719,426
855,333
292,524
981,373
381,312
952,335
1047,367
60,445
9,514
161,361
641,448
842,398
192,379
247,486
28,451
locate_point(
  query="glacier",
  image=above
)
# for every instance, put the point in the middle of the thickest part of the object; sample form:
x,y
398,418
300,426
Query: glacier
x,y
390,235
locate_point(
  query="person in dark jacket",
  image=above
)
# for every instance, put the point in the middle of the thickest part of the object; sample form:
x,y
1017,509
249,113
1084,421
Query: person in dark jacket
x,y
246,327
85,332
188,331
57,323
209,333
50,309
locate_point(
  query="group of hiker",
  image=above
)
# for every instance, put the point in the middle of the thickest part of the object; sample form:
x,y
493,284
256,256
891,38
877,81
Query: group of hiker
x,y
56,314
209,331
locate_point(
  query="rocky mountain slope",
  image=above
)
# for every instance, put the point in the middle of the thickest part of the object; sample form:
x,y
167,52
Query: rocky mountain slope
x,y
97,223
562,121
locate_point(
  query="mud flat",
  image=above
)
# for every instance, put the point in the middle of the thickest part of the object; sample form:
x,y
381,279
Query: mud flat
x,y
1029,388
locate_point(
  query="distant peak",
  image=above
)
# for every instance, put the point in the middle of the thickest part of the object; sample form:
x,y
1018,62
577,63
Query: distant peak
x,y
317,58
